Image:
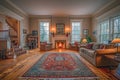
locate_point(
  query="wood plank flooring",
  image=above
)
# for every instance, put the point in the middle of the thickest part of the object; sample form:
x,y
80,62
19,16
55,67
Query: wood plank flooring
x,y
12,69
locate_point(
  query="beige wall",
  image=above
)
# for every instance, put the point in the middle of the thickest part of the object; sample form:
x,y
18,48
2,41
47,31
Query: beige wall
x,y
86,23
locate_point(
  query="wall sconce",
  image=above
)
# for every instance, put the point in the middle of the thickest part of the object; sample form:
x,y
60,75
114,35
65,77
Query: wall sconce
x,y
67,32
53,32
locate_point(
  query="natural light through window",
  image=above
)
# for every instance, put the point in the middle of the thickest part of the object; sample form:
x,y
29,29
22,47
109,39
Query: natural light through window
x,y
44,31
109,29
116,24
104,31
75,35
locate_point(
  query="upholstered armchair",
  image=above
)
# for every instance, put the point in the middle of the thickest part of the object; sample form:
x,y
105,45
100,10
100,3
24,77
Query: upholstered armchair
x,y
44,46
74,46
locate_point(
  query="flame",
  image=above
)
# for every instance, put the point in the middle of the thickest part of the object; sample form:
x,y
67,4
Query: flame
x,y
60,44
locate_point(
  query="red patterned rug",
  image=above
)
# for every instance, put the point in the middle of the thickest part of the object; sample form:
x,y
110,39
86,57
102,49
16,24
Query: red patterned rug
x,y
60,66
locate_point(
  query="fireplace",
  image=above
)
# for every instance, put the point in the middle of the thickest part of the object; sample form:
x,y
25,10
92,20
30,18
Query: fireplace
x,y
60,44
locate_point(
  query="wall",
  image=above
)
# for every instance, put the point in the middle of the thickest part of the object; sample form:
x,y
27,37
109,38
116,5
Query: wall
x,y
86,24
24,22
107,15
3,22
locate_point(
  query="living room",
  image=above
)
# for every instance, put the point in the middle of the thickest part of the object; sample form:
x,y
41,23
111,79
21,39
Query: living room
x,y
88,28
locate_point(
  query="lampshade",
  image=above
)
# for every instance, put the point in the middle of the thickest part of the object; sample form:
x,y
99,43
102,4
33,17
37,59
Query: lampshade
x,y
116,40
84,40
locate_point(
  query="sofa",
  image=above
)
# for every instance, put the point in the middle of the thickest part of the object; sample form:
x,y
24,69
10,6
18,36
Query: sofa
x,y
14,52
95,54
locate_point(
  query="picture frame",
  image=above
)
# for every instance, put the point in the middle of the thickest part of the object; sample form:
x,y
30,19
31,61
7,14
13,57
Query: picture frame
x,y
60,28
85,31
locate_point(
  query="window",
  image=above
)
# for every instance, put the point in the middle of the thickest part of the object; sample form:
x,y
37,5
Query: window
x,y
116,24
110,29
75,34
44,31
104,31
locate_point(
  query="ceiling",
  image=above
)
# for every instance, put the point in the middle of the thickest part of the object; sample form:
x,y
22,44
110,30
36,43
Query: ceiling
x,y
60,7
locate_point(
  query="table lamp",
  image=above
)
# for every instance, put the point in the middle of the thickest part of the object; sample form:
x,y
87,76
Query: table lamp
x,y
84,40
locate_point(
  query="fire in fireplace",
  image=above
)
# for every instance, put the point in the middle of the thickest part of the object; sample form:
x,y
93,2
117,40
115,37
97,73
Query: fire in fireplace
x,y
60,43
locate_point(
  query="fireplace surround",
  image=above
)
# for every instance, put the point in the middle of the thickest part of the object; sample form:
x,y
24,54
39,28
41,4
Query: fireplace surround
x,y
60,44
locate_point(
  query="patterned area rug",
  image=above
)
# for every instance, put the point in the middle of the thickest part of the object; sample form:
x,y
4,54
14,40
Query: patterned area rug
x,y
59,66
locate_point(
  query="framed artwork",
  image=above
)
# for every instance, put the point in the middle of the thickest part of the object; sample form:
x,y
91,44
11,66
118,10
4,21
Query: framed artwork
x,y
60,29
24,31
85,31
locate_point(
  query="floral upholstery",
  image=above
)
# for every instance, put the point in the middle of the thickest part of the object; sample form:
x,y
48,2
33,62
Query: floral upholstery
x,y
74,46
44,46
95,54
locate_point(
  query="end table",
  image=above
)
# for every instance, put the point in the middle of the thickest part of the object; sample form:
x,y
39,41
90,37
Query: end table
x,y
117,72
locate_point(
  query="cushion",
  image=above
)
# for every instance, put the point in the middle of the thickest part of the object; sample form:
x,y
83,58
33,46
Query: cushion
x,y
95,46
102,46
76,43
109,46
106,51
89,46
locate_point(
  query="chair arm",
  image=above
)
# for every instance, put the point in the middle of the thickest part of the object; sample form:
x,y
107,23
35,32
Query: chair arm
x,y
105,51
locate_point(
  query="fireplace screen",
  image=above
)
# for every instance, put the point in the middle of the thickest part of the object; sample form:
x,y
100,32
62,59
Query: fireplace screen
x,y
60,43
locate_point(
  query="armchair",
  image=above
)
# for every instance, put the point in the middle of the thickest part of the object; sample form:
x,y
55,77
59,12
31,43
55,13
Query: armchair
x,y
44,46
74,46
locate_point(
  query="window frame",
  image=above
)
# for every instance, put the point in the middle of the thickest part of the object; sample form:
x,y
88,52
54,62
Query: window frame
x,y
79,21
111,26
45,30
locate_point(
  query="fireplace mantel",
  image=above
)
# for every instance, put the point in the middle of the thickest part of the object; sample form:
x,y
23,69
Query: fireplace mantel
x,y
60,37
60,44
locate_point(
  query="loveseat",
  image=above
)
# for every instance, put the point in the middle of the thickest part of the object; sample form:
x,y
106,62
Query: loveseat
x,y
95,54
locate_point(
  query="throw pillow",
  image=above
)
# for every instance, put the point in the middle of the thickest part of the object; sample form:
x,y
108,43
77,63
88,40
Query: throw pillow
x,y
96,46
102,46
89,46
76,43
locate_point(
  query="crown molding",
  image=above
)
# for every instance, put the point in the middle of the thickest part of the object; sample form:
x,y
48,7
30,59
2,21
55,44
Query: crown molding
x,y
12,4
65,16
106,8
6,12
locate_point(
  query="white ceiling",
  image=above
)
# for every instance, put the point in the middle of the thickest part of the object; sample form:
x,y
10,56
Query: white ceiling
x,y
60,7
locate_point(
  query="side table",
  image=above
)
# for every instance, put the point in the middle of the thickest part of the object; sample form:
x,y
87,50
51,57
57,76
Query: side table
x,y
115,58
117,71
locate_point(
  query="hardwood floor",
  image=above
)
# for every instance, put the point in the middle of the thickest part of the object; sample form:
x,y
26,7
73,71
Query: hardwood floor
x,y
12,69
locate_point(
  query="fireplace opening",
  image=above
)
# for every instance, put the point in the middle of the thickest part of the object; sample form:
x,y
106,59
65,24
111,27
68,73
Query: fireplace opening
x,y
60,44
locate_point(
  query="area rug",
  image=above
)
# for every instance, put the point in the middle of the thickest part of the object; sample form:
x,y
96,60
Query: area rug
x,y
59,66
